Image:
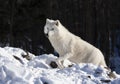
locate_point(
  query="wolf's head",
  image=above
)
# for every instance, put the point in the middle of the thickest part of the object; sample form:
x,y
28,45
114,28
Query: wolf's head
x,y
51,27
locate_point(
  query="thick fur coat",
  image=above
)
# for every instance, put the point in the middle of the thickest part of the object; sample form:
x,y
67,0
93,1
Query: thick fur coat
x,y
70,46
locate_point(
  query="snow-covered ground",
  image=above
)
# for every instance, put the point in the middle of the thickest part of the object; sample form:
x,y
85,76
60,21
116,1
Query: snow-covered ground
x,y
14,69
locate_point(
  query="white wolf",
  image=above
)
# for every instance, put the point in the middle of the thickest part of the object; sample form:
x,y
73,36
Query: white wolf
x,y
70,46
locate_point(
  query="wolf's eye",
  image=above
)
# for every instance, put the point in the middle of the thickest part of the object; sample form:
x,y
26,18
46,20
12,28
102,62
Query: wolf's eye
x,y
52,29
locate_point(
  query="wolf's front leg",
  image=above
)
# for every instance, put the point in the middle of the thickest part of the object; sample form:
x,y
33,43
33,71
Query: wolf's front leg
x,y
59,62
61,59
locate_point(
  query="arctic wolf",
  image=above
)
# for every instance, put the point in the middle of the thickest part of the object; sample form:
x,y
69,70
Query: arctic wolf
x,y
70,46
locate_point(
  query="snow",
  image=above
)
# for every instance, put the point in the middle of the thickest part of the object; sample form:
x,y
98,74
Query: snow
x,y
38,70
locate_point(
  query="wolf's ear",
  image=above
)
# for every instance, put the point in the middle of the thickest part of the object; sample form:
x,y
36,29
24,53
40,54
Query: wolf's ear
x,y
57,22
47,20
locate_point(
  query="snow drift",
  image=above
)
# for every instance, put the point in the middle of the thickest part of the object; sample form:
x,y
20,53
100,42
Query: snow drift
x,y
16,69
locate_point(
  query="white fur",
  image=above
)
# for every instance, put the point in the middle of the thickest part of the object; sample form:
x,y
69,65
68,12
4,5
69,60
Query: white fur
x,y
70,46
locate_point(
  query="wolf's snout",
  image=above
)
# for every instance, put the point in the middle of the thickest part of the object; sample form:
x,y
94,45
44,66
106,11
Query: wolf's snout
x,y
46,34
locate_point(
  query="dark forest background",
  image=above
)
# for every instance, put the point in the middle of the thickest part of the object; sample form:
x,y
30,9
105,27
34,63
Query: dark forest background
x,y
96,21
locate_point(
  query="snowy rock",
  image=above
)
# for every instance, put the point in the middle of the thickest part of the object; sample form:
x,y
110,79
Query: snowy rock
x,y
38,70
